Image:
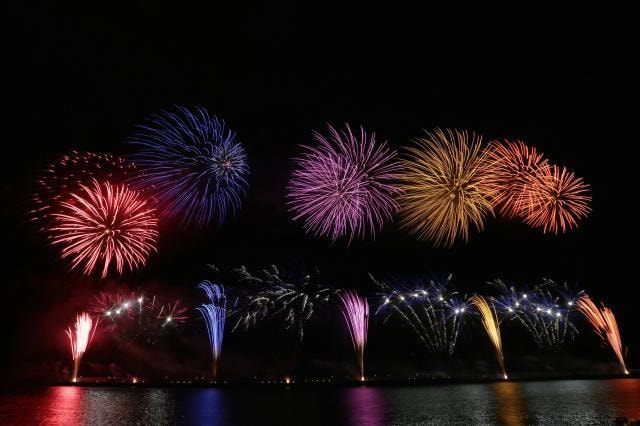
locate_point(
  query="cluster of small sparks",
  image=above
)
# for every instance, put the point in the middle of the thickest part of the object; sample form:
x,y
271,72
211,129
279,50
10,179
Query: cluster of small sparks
x,y
68,172
344,186
214,313
605,325
544,311
289,296
432,311
137,316
355,310
192,164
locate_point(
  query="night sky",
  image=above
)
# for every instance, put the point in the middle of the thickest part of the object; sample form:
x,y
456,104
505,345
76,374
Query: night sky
x,y
83,76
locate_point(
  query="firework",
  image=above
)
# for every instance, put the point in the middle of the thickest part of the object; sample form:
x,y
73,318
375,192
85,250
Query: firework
x,y
355,310
604,324
69,171
545,315
492,327
289,296
172,313
80,337
136,317
512,165
214,314
446,186
344,186
192,164
103,224
431,311
556,200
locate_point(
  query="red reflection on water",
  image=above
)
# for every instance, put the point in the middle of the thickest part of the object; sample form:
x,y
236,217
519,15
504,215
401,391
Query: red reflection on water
x,y
366,406
62,406
511,410
625,394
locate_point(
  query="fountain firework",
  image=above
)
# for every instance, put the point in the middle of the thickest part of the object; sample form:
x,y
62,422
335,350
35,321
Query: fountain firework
x,y
544,311
355,310
434,313
492,327
604,324
80,338
214,314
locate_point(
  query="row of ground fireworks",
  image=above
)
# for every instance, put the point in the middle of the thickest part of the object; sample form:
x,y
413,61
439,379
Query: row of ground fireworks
x,y
431,309
103,211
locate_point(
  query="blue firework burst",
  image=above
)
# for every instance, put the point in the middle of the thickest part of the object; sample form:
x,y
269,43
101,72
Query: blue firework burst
x,y
192,164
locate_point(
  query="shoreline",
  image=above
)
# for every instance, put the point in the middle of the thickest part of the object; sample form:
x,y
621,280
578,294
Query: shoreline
x,y
131,382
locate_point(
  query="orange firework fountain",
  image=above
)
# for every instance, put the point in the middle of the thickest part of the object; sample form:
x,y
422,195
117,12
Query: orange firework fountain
x,y
491,325
605,325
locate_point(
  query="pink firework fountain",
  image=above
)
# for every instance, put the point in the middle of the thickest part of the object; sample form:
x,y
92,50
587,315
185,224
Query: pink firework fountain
x,y
80,337
355,310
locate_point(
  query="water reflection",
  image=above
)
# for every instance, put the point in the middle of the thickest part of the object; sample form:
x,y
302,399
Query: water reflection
x,y
205,406
510,403
365,406
63,406
620,391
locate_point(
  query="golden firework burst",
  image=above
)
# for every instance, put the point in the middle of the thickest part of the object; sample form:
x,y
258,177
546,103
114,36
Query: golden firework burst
x,y
446,186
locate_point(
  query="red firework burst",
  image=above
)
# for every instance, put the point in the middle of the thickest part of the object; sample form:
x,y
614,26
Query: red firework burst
x,y
556,200
512,165
102,223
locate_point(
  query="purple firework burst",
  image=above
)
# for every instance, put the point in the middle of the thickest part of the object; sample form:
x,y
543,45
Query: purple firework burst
x,y
344,186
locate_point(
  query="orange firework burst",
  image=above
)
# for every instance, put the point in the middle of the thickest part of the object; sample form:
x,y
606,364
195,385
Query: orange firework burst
x,y
513,165
446,186
605,325
556,200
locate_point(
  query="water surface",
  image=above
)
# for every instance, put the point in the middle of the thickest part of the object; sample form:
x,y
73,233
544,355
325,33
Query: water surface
x,y
545,402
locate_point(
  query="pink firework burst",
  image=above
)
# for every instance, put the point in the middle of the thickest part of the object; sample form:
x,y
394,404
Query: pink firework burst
x,y
101,224
344,185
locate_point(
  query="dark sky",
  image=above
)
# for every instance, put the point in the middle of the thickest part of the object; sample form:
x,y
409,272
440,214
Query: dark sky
x,y
560,79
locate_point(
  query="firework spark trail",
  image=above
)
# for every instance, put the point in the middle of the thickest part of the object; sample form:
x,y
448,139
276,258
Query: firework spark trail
x,y
292,297
492,327
433,313
604,324
355,310
512,167
214,314
542,314
556,200
101,224
80,337
345,185
193,165
446,187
